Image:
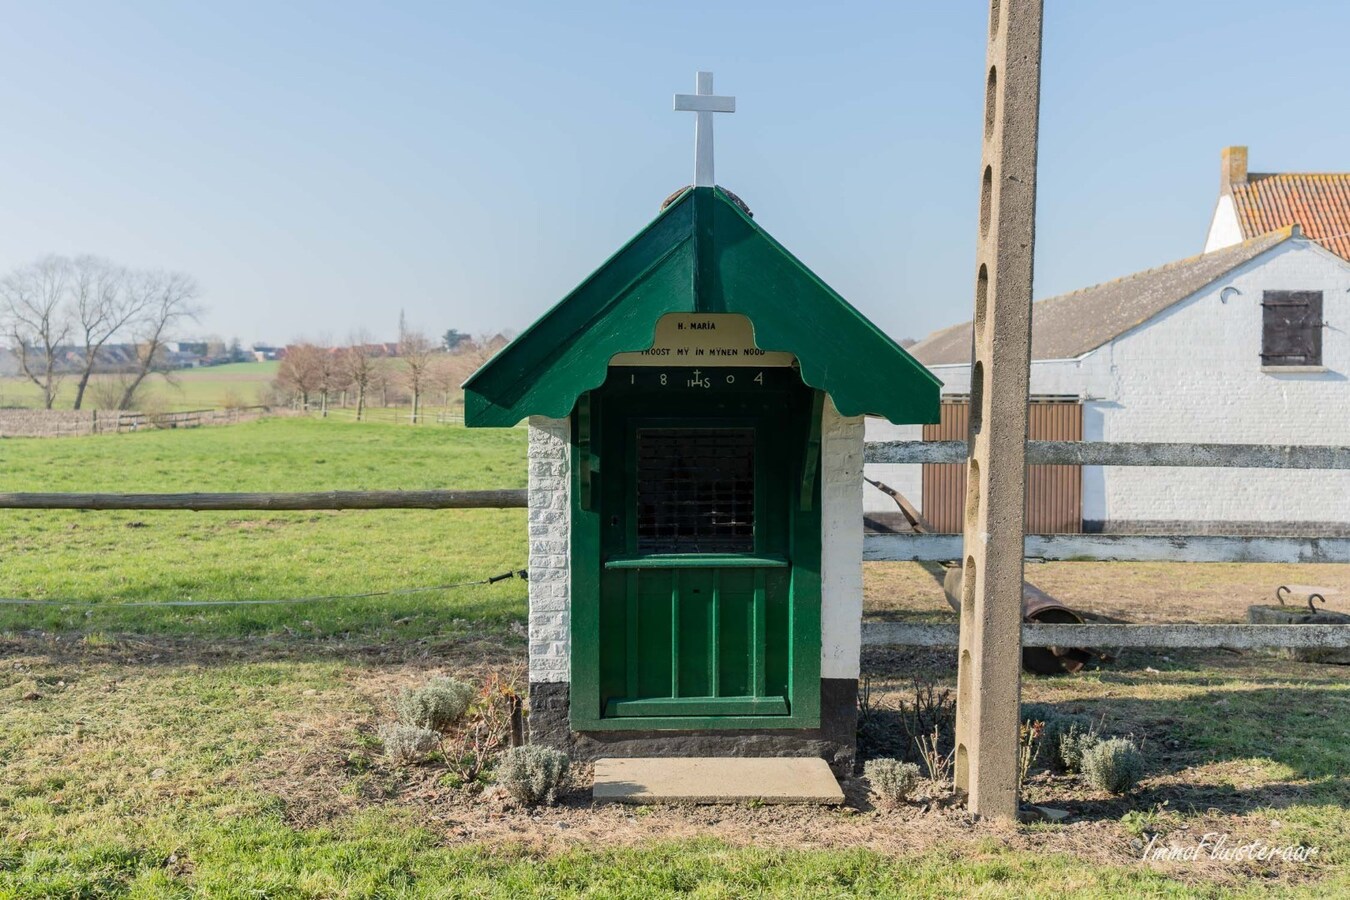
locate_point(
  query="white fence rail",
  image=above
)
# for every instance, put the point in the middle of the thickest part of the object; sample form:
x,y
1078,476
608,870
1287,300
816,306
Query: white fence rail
x,y
1036,634
1121,547
1119,453
1131,547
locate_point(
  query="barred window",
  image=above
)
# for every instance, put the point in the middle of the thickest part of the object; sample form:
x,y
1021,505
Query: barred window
x,y
695,490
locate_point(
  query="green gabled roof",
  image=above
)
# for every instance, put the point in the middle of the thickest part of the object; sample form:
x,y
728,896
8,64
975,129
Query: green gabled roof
x,y
702,254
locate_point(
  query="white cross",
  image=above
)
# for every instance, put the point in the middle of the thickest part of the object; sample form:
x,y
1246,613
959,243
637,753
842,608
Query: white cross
x,y
705,103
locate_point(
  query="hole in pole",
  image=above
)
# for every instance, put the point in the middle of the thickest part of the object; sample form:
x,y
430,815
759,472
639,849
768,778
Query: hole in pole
x,y
971,519
981,302
968,582
994,10
990,101
986,200
976,403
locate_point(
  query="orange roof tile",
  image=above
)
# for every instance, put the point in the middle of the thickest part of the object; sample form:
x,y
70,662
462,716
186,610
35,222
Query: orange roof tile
x,y
1319,203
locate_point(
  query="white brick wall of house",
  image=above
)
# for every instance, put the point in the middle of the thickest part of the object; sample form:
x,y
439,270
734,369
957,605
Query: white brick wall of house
x,y
1193,373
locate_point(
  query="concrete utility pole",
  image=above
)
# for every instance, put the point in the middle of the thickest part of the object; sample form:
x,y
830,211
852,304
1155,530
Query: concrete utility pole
x,y
989,680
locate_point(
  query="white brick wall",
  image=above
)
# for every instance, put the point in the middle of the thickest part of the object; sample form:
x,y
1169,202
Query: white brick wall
x,y
550,511
841,446
1193,373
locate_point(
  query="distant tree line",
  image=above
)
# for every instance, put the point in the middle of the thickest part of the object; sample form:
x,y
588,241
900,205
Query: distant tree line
x,y
315,374
61,317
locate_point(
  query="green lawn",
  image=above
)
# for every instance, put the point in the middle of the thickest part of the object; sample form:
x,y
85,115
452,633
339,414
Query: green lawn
x,y
235,384
109,558
229,752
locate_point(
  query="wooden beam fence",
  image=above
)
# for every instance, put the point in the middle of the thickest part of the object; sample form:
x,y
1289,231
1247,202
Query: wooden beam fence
x,y
305,500
1036,634
1121,547
1122,453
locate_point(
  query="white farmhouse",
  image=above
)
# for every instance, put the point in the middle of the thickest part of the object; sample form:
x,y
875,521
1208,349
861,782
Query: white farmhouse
x,y
1247,343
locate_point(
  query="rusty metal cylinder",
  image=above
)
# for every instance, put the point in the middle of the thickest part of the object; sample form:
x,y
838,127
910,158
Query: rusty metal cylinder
x,y
1037,606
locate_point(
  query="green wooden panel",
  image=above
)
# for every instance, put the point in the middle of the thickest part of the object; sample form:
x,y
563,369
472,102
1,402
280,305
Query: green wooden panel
x,y
700,561
735,616
702,254
696,632
698,706
655,639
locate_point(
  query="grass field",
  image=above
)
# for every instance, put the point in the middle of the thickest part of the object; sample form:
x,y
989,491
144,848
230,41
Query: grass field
x,y
237,384
230,752
234,384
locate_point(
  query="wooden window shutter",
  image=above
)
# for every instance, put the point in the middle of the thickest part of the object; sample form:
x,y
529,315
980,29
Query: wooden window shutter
x,y
1291,328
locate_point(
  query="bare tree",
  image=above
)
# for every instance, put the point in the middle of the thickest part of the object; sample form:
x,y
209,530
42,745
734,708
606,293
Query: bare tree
x,y
381,378
301,371
446,374
359,366
165,300
102,307
417,352
35,320
328,370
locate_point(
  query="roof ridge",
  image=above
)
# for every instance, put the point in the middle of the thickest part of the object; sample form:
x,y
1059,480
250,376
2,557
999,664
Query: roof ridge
x,y
1251,175
1174,264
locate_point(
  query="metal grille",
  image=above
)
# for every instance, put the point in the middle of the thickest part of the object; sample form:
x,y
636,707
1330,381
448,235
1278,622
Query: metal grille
x,y
695,490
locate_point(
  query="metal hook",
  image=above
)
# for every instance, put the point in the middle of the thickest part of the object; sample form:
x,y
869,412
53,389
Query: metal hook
x,y
1312,597
1279,596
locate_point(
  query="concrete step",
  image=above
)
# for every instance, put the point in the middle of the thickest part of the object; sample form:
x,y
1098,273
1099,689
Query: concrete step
x,y
715,779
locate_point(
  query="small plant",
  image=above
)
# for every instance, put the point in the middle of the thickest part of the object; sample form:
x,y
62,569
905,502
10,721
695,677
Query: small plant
x,y
1144,822
436,706
407,744
1028,746
1055,725
1073,743
892,781
1114,766
932,709
486,730
939,765
533,774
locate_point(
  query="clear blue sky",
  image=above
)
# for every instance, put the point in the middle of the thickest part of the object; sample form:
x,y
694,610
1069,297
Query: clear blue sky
x,y
320,166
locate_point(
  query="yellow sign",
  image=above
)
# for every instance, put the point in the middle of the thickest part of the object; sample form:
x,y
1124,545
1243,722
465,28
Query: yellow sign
x,y
704,339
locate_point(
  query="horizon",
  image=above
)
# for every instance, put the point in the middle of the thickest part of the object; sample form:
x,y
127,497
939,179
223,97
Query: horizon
x,y
319,168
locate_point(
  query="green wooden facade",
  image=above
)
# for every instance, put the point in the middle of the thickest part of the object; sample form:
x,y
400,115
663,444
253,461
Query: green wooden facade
x,y
696,503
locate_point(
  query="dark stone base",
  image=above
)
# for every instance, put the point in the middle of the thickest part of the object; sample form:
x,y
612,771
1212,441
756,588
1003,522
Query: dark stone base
x,y
835,740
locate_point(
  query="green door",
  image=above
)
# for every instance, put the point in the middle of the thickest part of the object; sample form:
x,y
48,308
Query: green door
x,y
699,506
